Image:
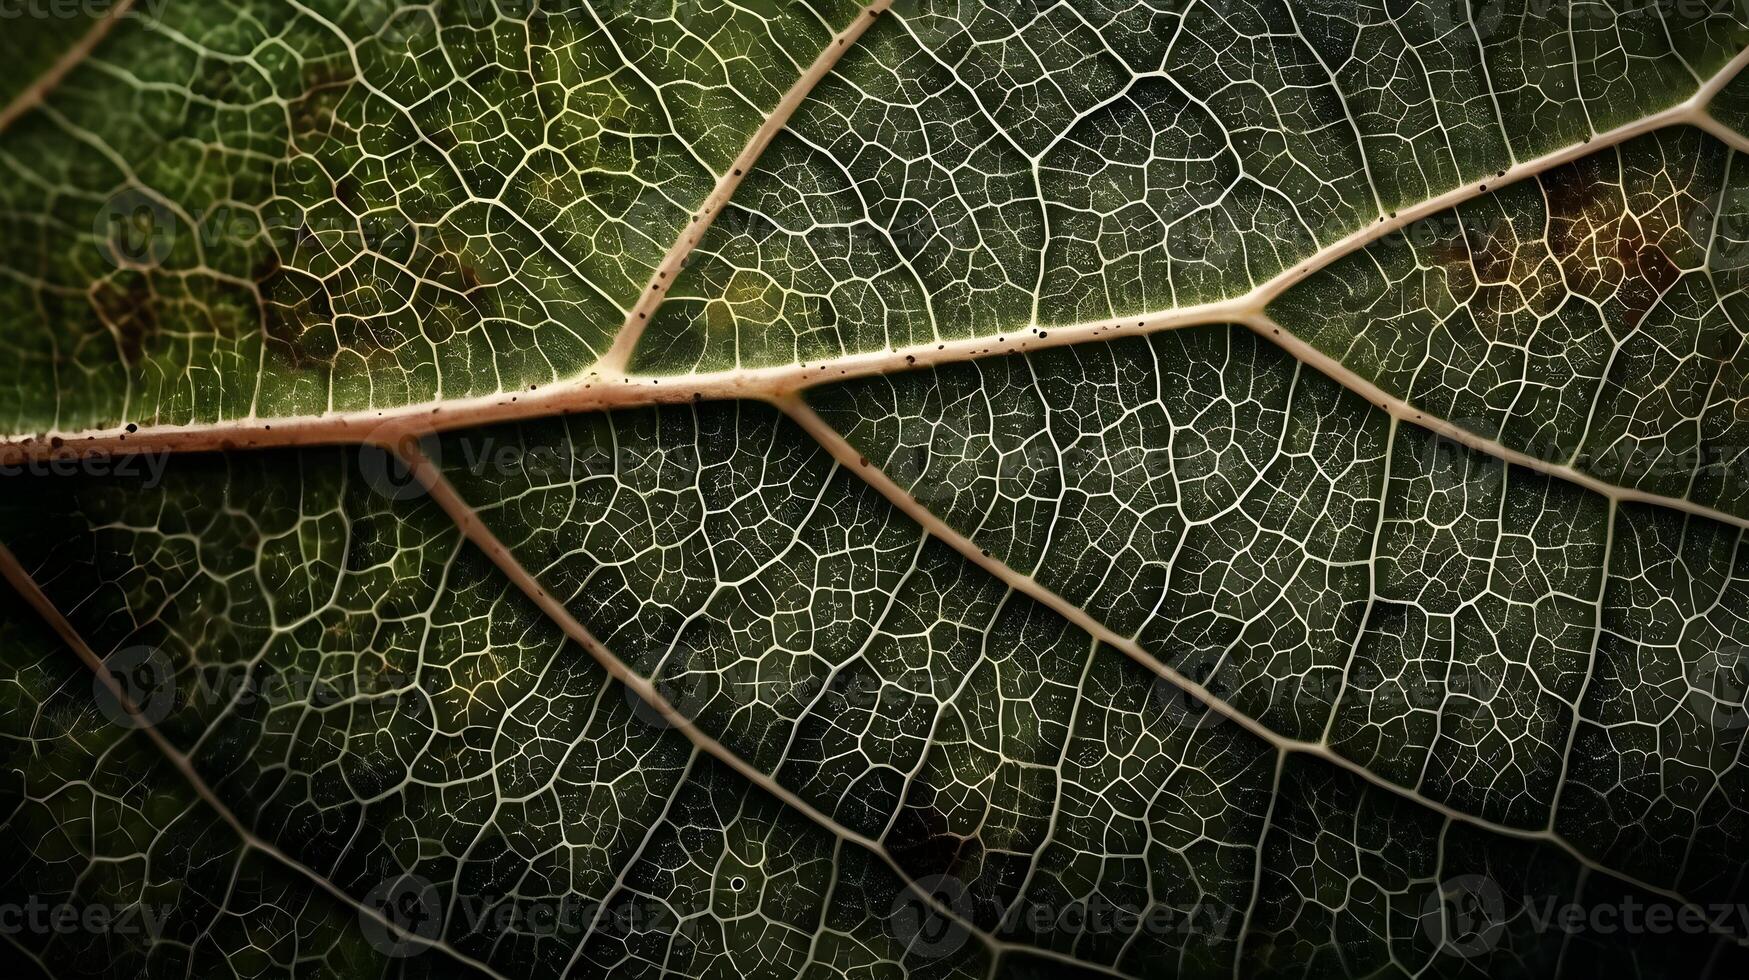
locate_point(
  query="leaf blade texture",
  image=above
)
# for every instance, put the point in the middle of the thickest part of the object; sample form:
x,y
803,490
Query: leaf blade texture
x,y
942,488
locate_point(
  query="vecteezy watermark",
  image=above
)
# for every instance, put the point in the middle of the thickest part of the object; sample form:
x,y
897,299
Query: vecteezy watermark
x,y
135,229
1465,915
402,916
1100,916
1185,708
147,688
388,460
146,467
39,916
385,453
78,9
686,695
144,689
1470,915
1442,458
405,915
935,917
929,919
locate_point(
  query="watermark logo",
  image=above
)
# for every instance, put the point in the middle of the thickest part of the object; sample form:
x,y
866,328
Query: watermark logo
x,y
146,468
1465,916
405,916
147,689
692,691
686,694
402,916
1186,708
386,462
38,916
144,692
1444,458
135,230
385,451
929,918
78,9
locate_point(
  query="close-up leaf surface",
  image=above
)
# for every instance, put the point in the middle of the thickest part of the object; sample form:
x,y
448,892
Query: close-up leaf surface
x,y
945,488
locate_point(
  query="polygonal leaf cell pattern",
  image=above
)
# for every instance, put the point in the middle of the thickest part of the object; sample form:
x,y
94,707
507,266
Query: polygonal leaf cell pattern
x,y
945,488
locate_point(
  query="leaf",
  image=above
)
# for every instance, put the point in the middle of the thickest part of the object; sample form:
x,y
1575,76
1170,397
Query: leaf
x,y
685,489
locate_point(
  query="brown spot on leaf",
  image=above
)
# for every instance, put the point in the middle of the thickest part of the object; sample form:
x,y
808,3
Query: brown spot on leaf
x,y
312,114
130,312
296,309
1601,244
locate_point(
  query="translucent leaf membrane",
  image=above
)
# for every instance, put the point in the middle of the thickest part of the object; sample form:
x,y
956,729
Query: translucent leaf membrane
x,y
372,698
1356,881
1168,655
1592,316
974,169
276,210
908,696
1468,630
113,865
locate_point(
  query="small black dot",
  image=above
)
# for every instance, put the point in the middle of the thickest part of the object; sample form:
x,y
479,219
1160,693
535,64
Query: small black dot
x,y
132,427
737,883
